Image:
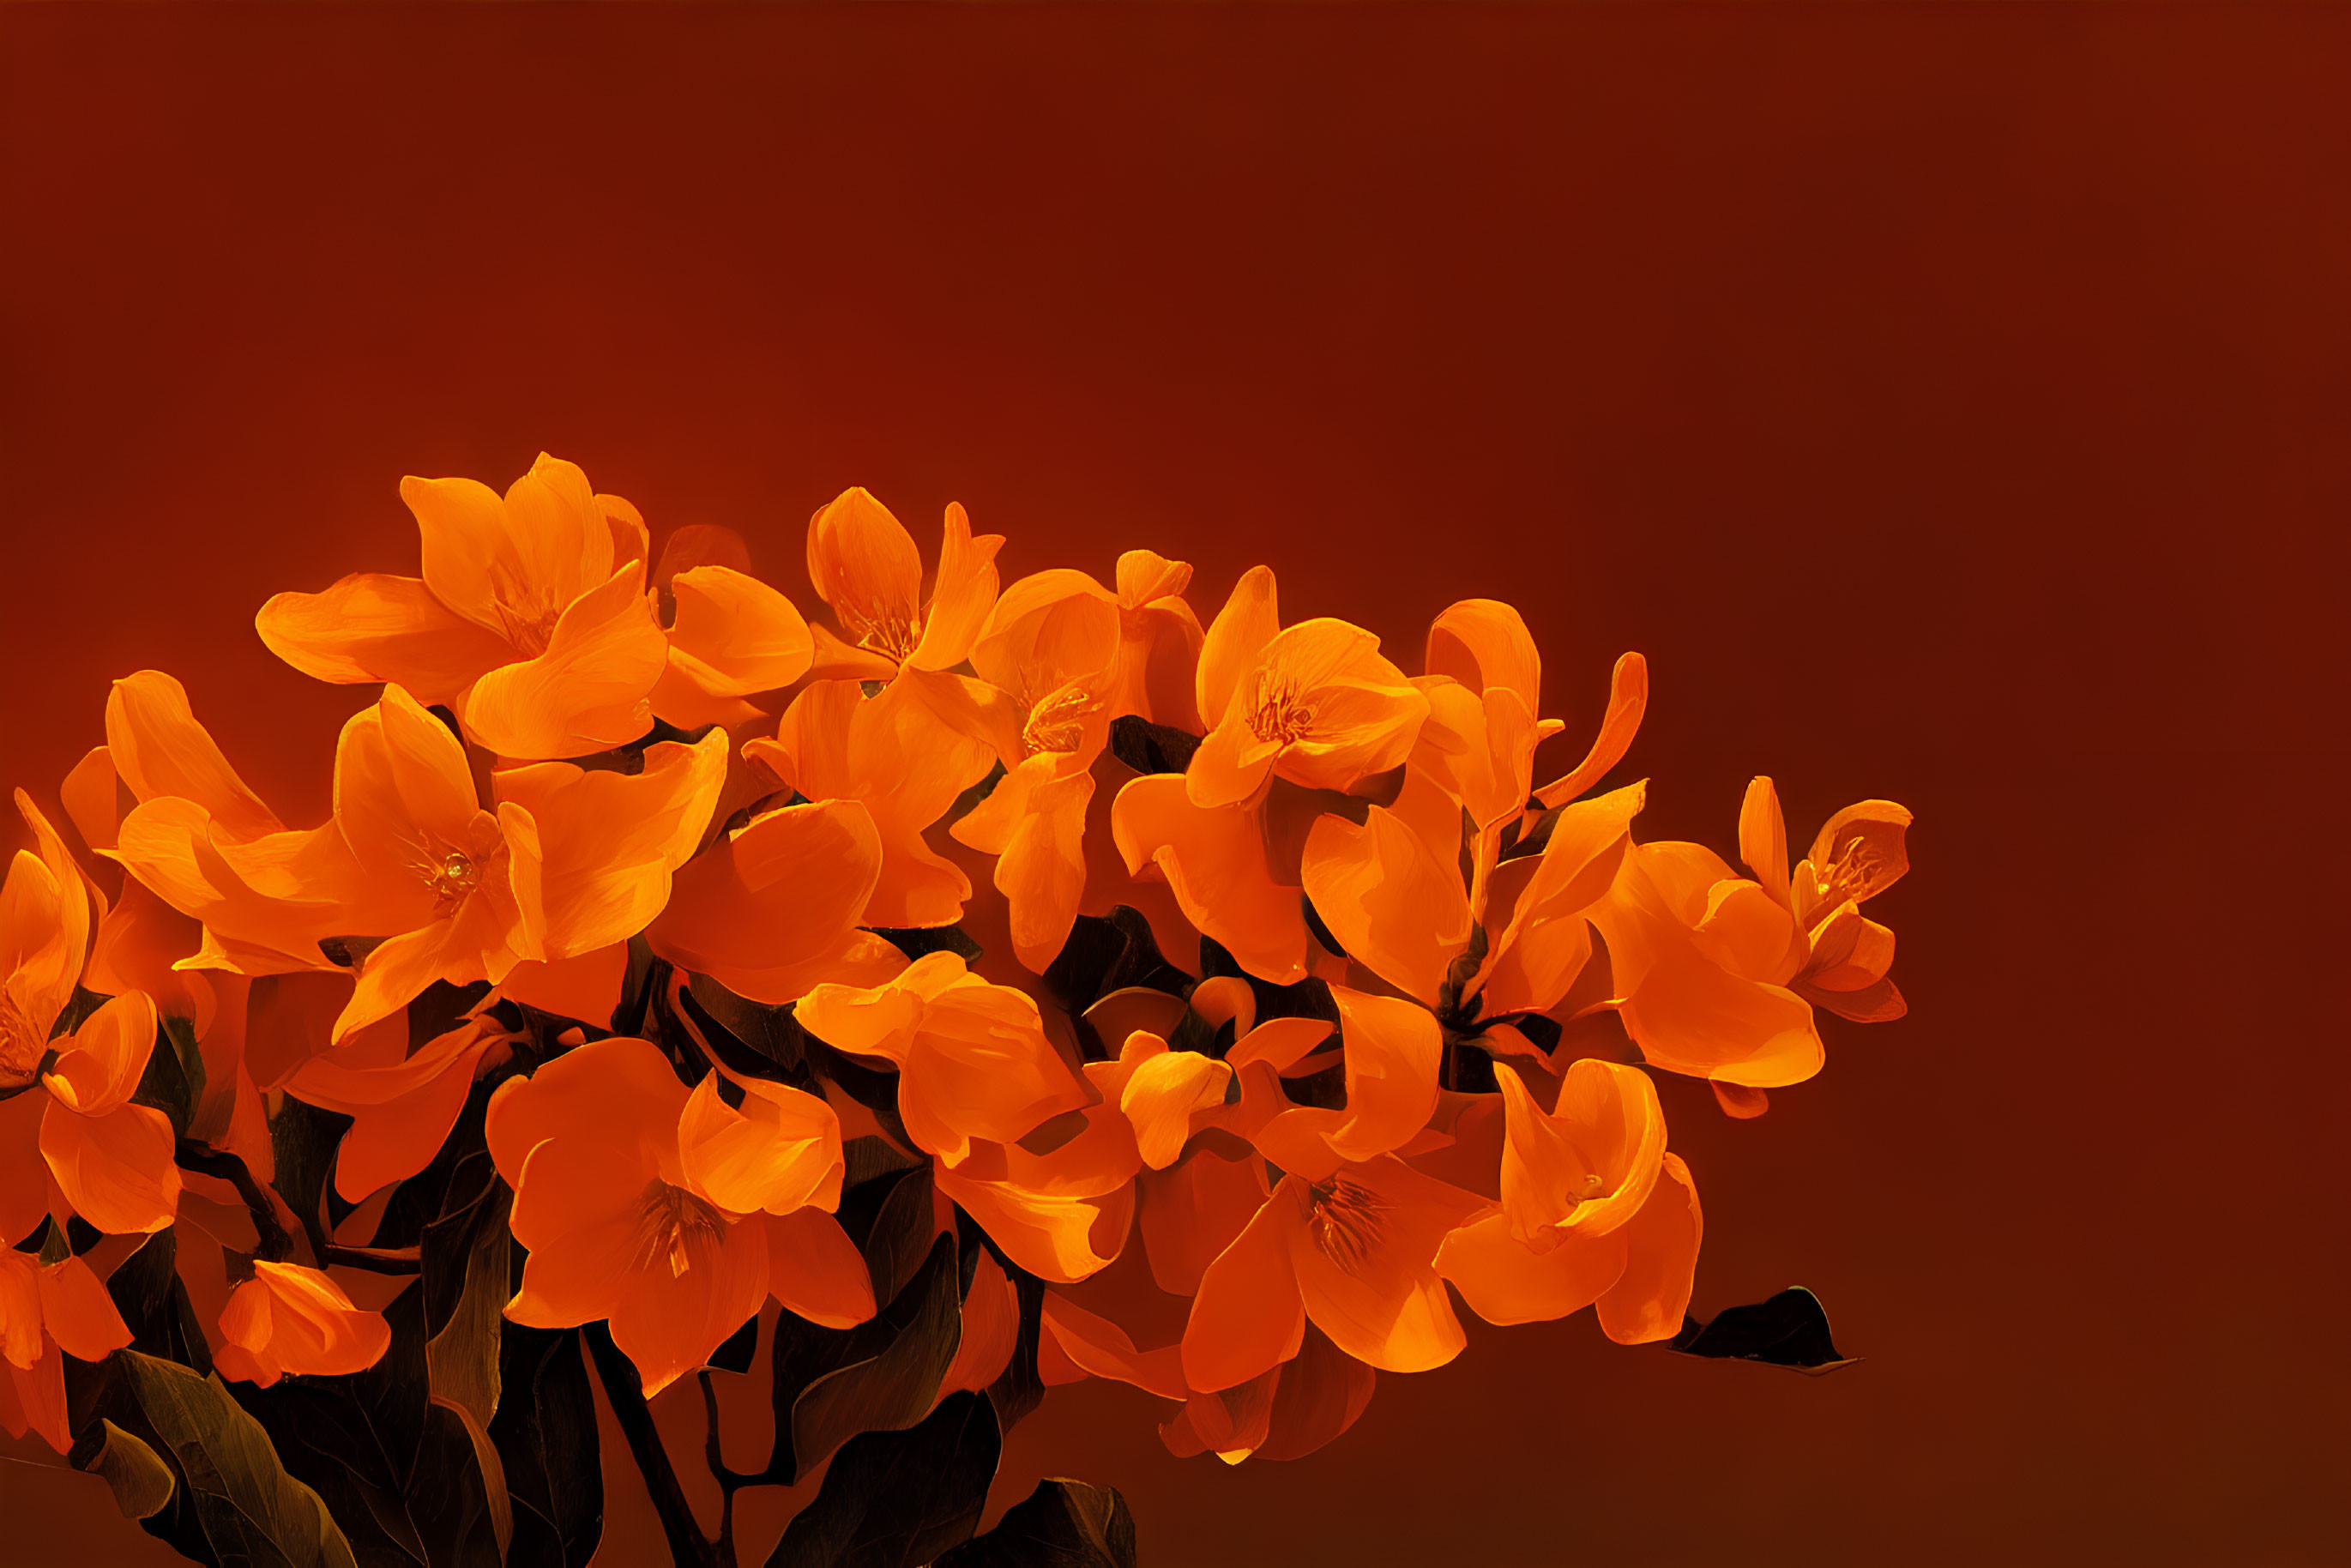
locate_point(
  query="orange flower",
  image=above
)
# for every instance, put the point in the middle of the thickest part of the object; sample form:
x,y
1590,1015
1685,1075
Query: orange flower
x,y
1314,704
287,1318
1349,1236
774,908
530,620
1594,1210
972,1058
1858,854
905,755
69,1108
665,1211
1159,637
865,565
48,1306
732,634
571,861
1049,646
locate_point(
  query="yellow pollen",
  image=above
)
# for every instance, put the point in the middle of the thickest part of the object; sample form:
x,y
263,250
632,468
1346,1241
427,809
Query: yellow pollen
x,y
449,877
1058,723
1278,714
1594,1185
1853,873
893,630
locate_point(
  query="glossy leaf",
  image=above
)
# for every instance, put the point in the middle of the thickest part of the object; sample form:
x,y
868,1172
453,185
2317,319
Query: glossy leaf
x,y
902,1498
1062,1525
141,1480
546,1435
1791,1330
1150,748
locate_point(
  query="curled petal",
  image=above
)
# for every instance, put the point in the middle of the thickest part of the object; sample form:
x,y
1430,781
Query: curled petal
x,y
371,627
1872,836
735,635
588,691
1103,1349
1504,1281
1628,698
963,596
290,1319
1647,1300
1249,620
1161,1096
1058,1239
158,748
1042,869
100,1067
44,921
78,1311
1763,837
117,1169
864,563
779,1151
1589,1164
1484,643
1394,903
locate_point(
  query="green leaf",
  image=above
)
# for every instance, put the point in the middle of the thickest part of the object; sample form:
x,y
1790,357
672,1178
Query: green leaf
x,y
147,1291
1791,1330
303,1140
832,1384
1062,1525
249,1510
173,1081
921,941
1150,748
546,1433
748,1038
142,1481
1107,953
900,1500
1019,1388
462,1357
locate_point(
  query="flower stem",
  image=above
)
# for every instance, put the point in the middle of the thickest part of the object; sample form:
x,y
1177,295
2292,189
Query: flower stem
x,y
272,1243
687,1548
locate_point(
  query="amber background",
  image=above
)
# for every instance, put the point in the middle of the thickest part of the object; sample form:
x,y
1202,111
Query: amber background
x,y
1952,402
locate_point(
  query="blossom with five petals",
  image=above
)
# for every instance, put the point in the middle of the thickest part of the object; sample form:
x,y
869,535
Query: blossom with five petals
x,y
568,862
1314,703
665,1211
531,620
1348,1237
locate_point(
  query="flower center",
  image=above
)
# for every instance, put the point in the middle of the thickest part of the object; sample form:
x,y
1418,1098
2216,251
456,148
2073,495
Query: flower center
x,y
1345,1217
1595,1185
890,630
673,1226
1059,722
526,614
451,877
1278,714
1854,873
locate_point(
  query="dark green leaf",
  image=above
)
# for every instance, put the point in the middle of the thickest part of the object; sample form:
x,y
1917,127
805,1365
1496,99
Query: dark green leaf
x,y
897,1239
900,1500
546,1432
462,1358
460,1172
173,1081
920,941
832,1384
871,1087
77,1012
1150,748
866,1158
154,1305
348,952
142,1481
646,977
248,1509
303,1140
1790,1330
748,1038
1107,953
1062,1525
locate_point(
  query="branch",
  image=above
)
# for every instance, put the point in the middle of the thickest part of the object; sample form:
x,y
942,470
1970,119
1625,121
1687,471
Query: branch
x,y
687,1548
272,1241
729,1481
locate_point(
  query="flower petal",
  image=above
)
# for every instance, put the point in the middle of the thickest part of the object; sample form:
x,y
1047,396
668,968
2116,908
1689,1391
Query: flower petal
x,y
735,635
116,1170
816,1271
373,627
1213,861
1247,1316
1628,698
1506,1282
100,1066
1649,1300
1251,618
79,1313
587,692
779,1151
964,594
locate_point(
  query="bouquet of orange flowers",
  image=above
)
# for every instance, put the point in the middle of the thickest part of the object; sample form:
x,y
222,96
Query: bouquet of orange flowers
x,y
615,1027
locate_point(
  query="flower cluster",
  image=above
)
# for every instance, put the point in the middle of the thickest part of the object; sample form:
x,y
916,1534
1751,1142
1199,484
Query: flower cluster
x,y
641,931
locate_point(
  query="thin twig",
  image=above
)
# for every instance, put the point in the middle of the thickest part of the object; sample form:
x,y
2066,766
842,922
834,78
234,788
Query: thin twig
x,y
272,1242
688,1548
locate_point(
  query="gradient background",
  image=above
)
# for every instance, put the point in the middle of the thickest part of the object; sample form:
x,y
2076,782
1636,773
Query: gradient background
x,y
1952,404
